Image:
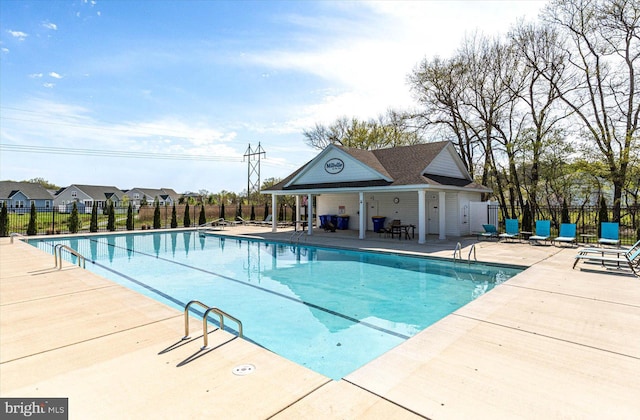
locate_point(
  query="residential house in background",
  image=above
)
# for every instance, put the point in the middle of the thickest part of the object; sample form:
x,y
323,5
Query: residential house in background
x,y
85,195
20,195
165,196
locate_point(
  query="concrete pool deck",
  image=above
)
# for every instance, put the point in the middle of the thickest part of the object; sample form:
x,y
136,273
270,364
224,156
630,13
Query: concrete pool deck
x,y
551,342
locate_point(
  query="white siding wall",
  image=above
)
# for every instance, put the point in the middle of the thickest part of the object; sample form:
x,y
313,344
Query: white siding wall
x,y
458,221
330,204
378,204
452,224
353,171
445,165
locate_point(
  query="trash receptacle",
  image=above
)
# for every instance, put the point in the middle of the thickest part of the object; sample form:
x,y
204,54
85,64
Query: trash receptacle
x,y
333,218
378,223
324,218
343,222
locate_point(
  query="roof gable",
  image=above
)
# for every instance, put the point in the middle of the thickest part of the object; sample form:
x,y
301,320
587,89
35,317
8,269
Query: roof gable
x,y
447,163
340,165
97,192
31,190
424,165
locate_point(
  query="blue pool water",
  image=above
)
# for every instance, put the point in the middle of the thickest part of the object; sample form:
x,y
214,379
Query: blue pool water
x,y
331,310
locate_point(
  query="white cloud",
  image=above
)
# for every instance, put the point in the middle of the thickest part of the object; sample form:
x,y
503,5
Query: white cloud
x,y
4,50
50,25
65,125
366,60
36,75
48,85
55,75
18,34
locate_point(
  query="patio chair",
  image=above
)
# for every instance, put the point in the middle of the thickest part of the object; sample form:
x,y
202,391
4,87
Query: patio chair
x,y
567,234
543,231
239,221
606,252
609,233
267,221
600,250
490,231
329,226
630,259
388,230
512,229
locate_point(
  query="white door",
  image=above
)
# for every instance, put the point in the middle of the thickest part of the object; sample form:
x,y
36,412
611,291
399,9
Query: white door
x,y
433,216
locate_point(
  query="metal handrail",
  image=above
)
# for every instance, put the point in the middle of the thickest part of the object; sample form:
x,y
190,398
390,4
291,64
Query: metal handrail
x,y
472,249
57,255
186,316
209,309
297,235
457,251
222,314
18,235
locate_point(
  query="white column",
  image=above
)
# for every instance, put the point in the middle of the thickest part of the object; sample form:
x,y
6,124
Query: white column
x,y
362,225
274,217
297,208
442,215
310,214
422,219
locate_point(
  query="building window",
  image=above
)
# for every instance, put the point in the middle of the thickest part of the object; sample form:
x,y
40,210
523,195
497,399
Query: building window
x,y
47,204
19,204
136,196
74,194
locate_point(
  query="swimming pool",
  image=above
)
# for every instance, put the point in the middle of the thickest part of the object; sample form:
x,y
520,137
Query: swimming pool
x,y
332,310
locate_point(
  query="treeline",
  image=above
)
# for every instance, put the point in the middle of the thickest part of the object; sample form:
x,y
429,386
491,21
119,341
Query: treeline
x,y
545,114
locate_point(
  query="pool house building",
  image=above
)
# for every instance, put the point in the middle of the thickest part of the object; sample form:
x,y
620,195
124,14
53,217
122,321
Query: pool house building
x,y
425,186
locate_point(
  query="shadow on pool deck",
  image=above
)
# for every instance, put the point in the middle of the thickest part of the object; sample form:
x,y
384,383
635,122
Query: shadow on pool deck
x,y
551,342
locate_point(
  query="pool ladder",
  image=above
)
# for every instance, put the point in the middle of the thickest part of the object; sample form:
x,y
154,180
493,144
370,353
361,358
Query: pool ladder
x,y
20,236
57,255
205,324
457,253
297,235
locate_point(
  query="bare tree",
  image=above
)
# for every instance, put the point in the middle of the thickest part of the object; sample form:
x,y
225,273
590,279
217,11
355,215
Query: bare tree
x,y
539,53
387,131
603,50
439,85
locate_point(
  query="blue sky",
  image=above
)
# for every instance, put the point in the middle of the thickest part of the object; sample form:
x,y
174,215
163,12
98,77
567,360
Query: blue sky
x,y
171,93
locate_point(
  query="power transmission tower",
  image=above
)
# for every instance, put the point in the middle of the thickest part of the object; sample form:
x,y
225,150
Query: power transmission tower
x,y
253,169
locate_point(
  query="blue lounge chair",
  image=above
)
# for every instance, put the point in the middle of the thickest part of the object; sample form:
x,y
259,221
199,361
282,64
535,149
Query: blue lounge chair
x,y
630,258
567,234
512,229
609,233
490,231
543,231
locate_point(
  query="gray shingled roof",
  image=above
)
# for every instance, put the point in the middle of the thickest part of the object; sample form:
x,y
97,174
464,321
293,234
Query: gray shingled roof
x,y
99,192
403,165
33,191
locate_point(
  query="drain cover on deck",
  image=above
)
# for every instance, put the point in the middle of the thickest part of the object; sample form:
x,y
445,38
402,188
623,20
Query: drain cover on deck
x,y
243,370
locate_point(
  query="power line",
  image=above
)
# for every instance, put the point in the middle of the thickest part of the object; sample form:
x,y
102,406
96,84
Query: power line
x,y
115,153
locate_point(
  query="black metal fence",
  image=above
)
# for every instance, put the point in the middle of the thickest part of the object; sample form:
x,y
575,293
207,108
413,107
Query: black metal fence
x,y
54,220
586,218
51,221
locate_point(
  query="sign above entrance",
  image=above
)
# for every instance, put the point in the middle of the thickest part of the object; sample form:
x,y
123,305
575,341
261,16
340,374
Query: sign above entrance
x,y
334,166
